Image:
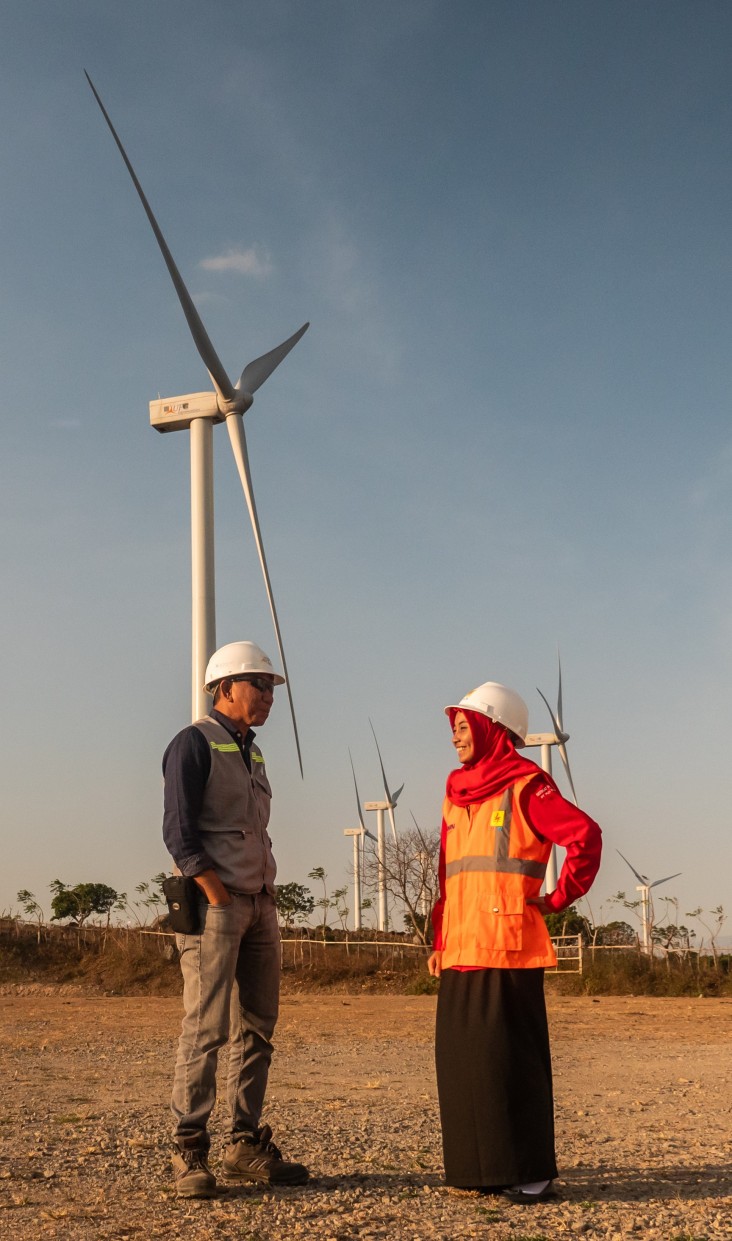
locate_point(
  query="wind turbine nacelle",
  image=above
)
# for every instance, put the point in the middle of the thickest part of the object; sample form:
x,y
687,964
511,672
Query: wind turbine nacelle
x,y
535,739
176,413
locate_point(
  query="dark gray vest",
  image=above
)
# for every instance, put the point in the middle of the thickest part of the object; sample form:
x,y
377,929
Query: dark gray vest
x,y
235,813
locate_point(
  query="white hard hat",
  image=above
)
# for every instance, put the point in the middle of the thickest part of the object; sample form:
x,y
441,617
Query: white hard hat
x,y
238,659
499,703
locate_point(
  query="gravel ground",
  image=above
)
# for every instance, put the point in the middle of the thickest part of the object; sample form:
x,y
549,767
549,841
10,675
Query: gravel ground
x,y
644,1102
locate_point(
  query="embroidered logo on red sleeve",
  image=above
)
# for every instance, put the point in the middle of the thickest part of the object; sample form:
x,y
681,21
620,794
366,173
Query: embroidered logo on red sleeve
x,y
544,790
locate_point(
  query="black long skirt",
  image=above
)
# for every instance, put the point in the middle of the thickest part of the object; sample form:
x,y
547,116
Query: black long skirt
x,y
494,1078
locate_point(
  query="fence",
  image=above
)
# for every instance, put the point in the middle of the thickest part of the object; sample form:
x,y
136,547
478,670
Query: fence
x,y
295,950
569,950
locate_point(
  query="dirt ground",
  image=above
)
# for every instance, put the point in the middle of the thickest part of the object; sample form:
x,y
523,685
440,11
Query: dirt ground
x,y
643,1099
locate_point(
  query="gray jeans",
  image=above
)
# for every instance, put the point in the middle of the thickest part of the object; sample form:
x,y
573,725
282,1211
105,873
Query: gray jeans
x,y
231,983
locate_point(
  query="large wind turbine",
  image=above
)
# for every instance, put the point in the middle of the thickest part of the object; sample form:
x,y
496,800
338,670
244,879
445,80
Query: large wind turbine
x,y
644,887
359,835
546,740
198,412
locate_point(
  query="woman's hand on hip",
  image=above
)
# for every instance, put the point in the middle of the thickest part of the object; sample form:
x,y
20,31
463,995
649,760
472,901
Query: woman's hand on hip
x,y
434,964
540,903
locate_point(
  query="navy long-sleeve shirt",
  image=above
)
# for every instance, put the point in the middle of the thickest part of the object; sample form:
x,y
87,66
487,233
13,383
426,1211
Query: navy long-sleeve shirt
x,y
186,768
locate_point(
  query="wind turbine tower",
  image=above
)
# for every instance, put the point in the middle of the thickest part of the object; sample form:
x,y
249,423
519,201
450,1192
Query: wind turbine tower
x,y
644,887
359,835
198,412
389,805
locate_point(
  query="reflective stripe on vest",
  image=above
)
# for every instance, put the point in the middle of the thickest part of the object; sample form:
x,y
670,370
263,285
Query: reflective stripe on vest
x,y
499,861
231,747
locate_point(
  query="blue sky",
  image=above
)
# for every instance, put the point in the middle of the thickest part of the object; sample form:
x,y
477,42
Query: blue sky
x,y
506,430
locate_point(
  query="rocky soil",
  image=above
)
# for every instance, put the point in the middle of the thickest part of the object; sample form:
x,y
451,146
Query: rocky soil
x,y
644,1115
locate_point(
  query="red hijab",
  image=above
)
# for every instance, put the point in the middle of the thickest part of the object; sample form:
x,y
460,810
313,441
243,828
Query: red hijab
x,y
495,765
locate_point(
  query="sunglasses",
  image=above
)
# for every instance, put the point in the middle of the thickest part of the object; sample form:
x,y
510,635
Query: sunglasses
x,y
263,684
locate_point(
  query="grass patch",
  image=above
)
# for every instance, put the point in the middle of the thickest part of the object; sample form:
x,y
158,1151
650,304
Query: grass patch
x,y
116,962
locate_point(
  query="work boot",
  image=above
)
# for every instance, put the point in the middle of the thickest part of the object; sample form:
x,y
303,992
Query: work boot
x,y
254,1157
192,1176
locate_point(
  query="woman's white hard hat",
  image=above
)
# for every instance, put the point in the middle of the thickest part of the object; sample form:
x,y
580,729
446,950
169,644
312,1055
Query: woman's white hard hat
x,y
239,659
499,703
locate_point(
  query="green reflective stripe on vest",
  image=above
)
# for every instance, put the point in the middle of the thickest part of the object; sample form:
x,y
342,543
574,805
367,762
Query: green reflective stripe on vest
x,y
257,758
497,865
227,747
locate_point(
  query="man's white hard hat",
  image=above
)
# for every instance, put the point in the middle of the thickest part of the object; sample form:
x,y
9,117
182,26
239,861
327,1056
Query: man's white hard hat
x,y
499,703
239,659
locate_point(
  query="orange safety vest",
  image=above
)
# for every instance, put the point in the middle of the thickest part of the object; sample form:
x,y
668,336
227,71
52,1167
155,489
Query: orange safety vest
x,y
493,864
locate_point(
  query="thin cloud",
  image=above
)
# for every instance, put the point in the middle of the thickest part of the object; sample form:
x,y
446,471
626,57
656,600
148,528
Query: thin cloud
x,y
252,262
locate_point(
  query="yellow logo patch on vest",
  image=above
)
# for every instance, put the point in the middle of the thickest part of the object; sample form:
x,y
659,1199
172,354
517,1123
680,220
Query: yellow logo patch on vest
x,y
498,818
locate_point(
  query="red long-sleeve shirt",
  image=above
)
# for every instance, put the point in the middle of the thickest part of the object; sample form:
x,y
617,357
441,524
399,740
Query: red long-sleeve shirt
x,y
551,817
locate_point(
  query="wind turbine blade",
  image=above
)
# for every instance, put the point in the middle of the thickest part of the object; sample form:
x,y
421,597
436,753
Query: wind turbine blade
x,y
560,736
383,773
641,878
559,693
563,755
235,427
393,824
209,356
392,800
657,881
255,373
358,800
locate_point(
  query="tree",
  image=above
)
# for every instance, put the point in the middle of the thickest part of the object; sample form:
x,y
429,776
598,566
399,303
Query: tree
x,y
294,903
616,934
569,922
673,938
323,903
32,908
717,914
83,900
151,895
410,876
636,908
338,902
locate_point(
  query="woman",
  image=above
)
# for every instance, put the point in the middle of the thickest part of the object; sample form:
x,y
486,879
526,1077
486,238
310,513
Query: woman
x,y
501,816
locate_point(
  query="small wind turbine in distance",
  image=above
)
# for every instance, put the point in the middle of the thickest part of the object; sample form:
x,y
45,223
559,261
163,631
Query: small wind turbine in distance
x,y
380,806
198,412
546,740
359,834
644,887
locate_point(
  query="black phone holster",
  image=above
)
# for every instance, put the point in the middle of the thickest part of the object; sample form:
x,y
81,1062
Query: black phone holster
x,y
183,908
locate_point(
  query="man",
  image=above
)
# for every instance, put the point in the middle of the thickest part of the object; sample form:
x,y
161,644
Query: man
x,y
217,800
